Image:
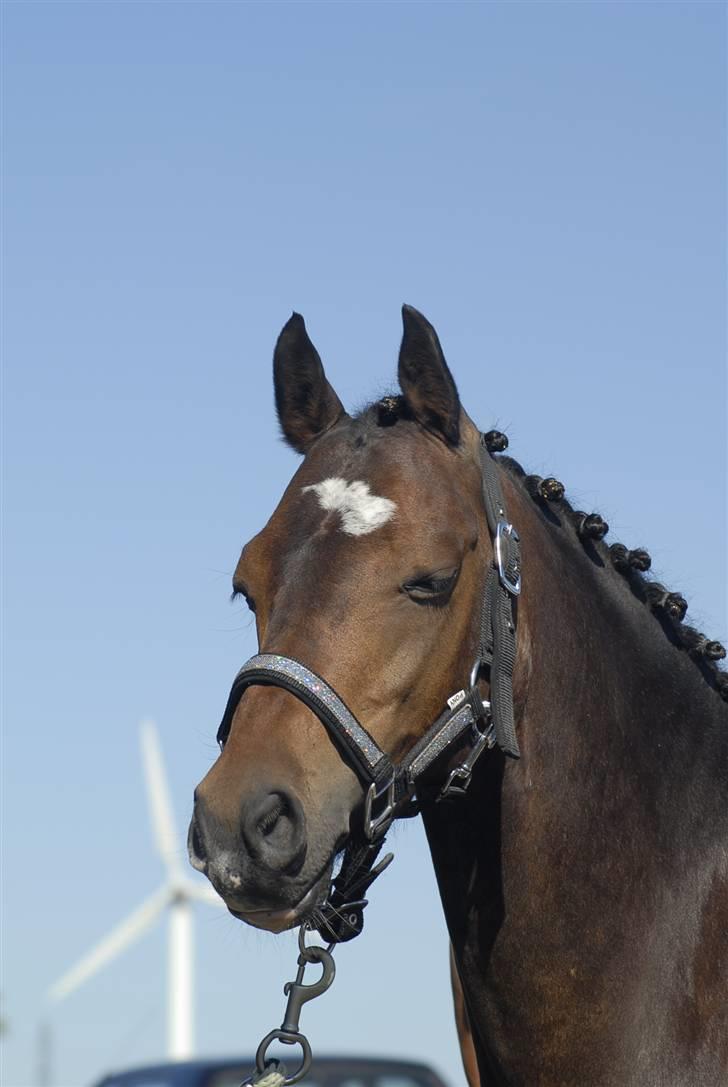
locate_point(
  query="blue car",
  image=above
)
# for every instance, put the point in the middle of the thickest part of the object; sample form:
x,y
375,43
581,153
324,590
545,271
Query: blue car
x,y
325,1072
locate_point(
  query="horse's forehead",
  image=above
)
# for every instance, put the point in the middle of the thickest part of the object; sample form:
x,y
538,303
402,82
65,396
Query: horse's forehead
x,y
377,489
371,483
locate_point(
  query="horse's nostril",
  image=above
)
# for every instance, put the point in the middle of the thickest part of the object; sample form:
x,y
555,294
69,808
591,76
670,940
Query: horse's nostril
x,y
197,846
273,826
273,812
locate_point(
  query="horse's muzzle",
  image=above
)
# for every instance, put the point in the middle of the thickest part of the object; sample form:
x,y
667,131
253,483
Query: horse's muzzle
x,y
254,865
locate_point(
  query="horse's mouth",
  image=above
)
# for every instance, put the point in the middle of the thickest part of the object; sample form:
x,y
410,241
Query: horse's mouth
x,y
281,919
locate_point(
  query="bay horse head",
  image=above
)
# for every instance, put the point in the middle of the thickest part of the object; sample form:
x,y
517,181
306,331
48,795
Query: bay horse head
x,y
365,574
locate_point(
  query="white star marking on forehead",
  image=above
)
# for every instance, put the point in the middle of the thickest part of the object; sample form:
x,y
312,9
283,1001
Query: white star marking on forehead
x,y
361,511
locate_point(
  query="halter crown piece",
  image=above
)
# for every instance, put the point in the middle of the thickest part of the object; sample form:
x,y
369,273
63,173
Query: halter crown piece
x,y
390,789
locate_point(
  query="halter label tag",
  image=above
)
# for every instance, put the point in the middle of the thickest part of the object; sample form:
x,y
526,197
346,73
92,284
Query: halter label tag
x,y
456,699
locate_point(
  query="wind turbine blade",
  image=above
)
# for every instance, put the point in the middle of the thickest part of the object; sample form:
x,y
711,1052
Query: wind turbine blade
x,y
203,892
160,805
112,945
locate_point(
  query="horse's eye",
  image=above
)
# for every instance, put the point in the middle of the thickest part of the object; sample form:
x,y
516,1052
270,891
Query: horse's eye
x,y
240,590
432,588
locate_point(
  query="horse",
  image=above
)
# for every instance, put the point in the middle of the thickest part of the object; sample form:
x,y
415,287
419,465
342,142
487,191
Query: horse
x,y
574,788
462,1024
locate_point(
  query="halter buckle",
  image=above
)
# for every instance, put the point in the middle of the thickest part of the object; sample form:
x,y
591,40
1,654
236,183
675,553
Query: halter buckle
x,y
378,825
504,531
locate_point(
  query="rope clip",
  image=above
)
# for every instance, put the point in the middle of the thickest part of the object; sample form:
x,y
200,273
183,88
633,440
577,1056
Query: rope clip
x,y
298,994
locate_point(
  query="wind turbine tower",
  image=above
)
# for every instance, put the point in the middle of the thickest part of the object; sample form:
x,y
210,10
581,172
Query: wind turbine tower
x,y
177,896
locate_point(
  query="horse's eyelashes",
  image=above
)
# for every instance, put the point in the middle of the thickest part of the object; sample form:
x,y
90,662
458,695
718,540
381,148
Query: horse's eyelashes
x,y
431,588
238,591
441,584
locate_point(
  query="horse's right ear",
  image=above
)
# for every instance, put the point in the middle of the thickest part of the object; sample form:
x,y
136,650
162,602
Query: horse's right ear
x,y
425,379
307,406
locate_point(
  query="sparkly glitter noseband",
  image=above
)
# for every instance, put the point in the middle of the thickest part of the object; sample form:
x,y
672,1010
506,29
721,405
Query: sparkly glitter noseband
x,y
390,788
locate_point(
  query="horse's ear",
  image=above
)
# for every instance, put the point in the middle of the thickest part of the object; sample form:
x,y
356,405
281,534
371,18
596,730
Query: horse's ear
x,y
306,404
425,379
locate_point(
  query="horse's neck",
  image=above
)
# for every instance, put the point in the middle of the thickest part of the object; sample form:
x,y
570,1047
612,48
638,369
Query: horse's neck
x,y
552,862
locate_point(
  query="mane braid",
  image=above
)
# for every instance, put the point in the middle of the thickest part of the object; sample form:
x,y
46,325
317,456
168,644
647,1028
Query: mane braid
x,y
669,608
384,412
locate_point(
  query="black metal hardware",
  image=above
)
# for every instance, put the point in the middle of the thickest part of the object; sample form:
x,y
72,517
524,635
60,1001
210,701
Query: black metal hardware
x,y
298,994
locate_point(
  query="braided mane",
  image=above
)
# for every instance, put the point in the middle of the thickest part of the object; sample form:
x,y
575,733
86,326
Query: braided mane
x,y
668,608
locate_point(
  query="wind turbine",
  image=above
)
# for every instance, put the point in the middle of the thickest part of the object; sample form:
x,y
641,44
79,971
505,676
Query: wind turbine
x,y
176,895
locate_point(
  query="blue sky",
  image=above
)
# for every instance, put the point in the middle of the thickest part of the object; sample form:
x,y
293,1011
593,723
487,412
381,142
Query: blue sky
x,y
545,181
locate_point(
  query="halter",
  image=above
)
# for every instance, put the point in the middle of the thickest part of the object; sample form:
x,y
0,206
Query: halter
x,y
390,789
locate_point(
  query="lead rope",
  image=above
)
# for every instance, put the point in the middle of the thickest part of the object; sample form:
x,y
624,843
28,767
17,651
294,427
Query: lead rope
x,y
273,1075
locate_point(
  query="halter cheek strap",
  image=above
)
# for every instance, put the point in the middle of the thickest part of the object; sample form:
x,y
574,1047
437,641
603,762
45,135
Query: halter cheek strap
x,y
497,650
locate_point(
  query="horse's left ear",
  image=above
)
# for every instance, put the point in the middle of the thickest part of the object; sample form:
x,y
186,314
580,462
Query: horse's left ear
x,y
425,379
307,405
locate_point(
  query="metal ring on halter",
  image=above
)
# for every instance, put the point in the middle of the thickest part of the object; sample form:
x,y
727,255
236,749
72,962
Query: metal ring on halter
x,y
287,1038
303,947
474,675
